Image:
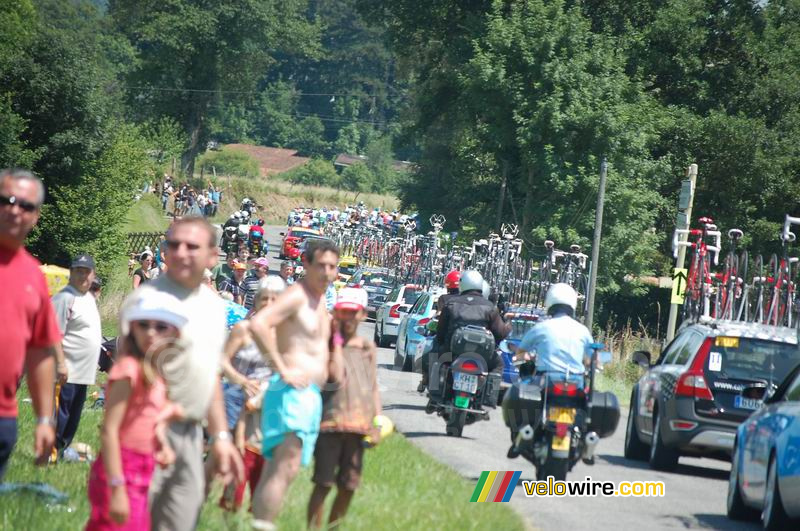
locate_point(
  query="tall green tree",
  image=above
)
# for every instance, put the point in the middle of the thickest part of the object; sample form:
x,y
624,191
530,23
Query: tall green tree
x,y
194,54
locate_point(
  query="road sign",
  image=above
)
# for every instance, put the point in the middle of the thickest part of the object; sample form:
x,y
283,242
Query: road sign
x,y
683,220
686,194
678,285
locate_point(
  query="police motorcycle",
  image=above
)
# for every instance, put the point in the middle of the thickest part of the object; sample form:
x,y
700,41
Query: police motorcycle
x,y
555,423
460,383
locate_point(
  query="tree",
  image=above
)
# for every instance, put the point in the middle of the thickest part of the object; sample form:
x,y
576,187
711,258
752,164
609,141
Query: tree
x,y
193,55
357,178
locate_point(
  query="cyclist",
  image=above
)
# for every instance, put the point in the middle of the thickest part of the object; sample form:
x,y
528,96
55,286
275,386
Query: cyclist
x,y
560,344
469,308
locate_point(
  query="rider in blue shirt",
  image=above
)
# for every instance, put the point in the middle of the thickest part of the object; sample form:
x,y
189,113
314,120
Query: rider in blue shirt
x,y
561,344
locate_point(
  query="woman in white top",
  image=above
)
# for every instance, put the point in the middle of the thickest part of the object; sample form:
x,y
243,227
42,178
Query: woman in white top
x,y
243,359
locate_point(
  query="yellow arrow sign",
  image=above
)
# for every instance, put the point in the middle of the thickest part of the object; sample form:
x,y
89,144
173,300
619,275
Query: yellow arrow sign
x,y
678,285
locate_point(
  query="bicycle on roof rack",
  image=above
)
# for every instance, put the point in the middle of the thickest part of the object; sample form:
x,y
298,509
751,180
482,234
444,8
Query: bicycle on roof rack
x,y
699,279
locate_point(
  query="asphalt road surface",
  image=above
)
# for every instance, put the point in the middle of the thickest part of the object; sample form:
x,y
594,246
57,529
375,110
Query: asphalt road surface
x,y
695,493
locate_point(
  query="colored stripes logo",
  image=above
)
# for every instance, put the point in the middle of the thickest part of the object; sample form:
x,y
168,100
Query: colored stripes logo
x,y
494,486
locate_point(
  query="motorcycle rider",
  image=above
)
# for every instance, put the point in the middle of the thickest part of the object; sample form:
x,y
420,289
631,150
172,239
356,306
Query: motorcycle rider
x,y
469,308
451,281
561,343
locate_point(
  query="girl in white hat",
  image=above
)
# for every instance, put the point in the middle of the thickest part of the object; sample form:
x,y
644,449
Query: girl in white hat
x,y
133,433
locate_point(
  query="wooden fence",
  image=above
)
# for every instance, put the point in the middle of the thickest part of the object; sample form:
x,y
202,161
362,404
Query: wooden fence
x,y
137,241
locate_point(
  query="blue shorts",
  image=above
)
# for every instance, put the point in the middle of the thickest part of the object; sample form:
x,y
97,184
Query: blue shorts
x,y
287,409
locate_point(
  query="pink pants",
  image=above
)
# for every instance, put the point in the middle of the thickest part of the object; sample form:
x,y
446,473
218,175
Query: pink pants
x,y
138,471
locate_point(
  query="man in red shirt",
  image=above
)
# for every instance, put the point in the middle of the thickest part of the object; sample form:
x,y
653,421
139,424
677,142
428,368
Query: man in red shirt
x,y
29,336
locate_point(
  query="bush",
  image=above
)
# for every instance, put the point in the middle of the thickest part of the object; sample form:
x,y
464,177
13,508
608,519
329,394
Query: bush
x,y
230,162
318,172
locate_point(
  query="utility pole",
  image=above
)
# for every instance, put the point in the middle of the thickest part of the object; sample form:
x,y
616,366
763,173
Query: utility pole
x,y
502,198
598,229
684,221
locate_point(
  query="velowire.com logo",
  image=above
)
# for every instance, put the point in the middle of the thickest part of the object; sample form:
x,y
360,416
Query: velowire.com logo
x,y
495,486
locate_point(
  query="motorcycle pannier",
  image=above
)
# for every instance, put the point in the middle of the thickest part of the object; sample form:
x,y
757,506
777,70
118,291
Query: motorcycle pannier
x,y
472,339
605,414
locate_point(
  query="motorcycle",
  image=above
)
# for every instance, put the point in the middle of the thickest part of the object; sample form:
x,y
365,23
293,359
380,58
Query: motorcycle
x,y
230,240
459,389
257,245
556,423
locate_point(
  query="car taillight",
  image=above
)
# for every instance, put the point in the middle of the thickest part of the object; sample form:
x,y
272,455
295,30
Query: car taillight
x,y
564,389
692,383
423,322
470,365
393,313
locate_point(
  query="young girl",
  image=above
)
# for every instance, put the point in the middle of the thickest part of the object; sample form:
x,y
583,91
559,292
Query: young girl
x,y
133,433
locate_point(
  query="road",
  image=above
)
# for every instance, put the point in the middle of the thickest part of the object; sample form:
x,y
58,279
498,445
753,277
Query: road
x,y
695,493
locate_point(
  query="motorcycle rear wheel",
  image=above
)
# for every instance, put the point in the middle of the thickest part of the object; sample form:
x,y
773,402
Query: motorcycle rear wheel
x,y
553,466
455,425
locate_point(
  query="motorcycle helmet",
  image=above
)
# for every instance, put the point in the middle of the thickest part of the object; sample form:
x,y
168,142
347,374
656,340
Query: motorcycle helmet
x,y
260,222
561,294
451,279
470,281
486,290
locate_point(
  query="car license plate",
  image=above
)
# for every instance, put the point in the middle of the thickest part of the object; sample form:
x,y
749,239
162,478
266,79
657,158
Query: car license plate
x,y
561,415
465,382
462,402
746,403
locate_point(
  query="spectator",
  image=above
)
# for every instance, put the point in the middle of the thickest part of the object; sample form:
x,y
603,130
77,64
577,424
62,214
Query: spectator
x,y
143,274
29,336
243,254
235,286
202,203
177,492
252,281
287,272
97,288
224,271
79,321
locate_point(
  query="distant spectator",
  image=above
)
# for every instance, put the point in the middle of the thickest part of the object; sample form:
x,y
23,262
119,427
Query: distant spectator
x,y
235,285
97,288
29,335
223,270
143,274
79,321
251,281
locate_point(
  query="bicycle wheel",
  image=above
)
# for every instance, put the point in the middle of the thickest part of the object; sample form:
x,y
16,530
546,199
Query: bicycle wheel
x,y
742,291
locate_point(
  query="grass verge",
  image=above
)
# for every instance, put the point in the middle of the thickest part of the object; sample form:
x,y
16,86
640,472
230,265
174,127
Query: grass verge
x,y
402,488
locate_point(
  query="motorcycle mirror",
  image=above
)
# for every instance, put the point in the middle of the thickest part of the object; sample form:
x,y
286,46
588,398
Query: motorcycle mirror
x,y
282,233
641,358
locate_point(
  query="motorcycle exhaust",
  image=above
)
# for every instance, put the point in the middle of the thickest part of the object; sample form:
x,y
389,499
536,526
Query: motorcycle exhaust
x,y
524,434
590,444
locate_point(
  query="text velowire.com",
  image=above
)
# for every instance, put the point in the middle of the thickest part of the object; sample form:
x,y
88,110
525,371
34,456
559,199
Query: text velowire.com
x,y
588,488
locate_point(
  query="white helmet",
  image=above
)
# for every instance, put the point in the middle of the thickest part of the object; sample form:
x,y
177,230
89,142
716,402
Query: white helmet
x,y
561,294
487,290
470,281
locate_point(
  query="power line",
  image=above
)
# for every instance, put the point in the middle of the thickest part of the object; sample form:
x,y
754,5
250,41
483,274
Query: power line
x,y
225,91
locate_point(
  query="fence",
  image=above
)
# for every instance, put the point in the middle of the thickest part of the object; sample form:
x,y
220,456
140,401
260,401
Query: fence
x,y
137,241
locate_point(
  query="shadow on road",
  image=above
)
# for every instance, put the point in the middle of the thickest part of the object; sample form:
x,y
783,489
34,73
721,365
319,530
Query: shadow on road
x,y
719,521
420,434
683,470
403,406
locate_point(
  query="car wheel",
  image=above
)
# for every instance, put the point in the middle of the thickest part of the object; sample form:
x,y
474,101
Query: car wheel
x,y
375,338
383,341
635,449
737,510
774,515
661,456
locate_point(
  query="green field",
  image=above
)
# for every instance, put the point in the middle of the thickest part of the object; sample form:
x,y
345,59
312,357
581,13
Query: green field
x,y
402,489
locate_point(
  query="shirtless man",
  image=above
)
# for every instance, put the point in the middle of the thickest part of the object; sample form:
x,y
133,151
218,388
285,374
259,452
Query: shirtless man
x,y
298,350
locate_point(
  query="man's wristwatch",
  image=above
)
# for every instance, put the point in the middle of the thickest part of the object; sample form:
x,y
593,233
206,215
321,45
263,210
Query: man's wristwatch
x,y
46,420
224,435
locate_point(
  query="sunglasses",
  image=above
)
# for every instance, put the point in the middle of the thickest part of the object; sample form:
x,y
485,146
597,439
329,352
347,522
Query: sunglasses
x,y
159,327
27,206
174,245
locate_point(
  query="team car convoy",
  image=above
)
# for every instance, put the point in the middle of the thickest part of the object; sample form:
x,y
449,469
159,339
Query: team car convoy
x,y
727,387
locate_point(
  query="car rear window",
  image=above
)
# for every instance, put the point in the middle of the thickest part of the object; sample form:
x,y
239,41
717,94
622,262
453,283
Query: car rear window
x,y
410,295
348,270
748,359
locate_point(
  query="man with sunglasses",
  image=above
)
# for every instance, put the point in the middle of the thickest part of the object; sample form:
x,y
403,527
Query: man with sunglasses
x,y
79,321
29,335
192,374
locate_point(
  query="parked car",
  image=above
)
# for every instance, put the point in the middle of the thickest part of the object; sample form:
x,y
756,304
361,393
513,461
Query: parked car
x,y
376,282
389,314
411,344
290,247
691,400
765,470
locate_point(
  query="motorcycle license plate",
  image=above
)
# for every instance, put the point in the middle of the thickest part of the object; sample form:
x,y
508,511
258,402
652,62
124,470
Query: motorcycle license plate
x,y
560,443
462,402
561,415
465,382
